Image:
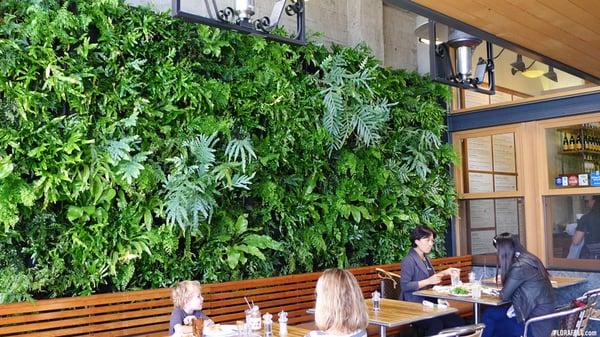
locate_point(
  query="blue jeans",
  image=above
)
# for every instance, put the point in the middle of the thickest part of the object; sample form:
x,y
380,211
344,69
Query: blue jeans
x,y
498,325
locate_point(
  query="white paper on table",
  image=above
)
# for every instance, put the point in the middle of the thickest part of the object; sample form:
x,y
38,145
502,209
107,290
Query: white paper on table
x,y
570,228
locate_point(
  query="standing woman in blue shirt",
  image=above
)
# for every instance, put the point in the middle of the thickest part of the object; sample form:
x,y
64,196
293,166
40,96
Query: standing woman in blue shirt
x,y
416,273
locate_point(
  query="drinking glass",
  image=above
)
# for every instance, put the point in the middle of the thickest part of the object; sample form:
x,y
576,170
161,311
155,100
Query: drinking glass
x,y
455,278
476,289
240,325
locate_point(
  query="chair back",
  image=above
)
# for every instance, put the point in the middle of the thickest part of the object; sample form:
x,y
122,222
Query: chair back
x,y
389,284
473,330
572,318
591,296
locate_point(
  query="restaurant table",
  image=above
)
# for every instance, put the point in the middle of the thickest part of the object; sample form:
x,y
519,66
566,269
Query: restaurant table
x,y
557,282
484,299
393,313
292,331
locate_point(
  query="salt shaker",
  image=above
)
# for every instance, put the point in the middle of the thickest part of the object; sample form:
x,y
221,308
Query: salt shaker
x,y
376,300
283,323
268,321
471,277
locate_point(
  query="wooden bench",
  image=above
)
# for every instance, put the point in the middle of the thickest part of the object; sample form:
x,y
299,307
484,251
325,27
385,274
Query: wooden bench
x,y
147,312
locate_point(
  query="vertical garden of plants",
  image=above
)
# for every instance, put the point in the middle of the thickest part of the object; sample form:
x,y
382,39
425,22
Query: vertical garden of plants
x,y
137,150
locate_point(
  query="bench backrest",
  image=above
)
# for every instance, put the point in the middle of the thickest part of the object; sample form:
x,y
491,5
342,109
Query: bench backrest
x,y
133,313
147,312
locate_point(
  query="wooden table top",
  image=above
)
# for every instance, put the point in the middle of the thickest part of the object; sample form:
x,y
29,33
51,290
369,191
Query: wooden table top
x,y
557,281
292,331
395,313
484,299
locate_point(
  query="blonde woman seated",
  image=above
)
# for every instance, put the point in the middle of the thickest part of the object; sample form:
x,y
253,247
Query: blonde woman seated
x,y
340,309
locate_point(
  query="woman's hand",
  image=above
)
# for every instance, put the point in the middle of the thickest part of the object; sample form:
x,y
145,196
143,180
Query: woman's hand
x,y
434,279
449,271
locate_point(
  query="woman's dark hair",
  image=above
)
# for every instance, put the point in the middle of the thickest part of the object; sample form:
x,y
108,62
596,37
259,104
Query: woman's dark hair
x,y
420,232
509,250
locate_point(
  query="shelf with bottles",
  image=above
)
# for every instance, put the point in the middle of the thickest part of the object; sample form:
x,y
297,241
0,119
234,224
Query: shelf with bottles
x,y
580,141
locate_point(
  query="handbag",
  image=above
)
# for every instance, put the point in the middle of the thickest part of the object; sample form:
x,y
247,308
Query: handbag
x,y
389,284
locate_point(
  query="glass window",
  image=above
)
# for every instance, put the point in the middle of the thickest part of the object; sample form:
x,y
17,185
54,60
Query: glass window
x,y
532,79
574,155
486,218
575,223
490,164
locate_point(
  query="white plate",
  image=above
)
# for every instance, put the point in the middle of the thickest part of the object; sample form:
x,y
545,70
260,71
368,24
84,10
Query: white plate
x,y
222,331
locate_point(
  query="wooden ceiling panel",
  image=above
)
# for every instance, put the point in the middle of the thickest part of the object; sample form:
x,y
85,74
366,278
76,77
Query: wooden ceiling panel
x,y
583,4
567,31
530,31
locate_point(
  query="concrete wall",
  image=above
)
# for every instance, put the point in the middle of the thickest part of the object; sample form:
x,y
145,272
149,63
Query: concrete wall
x,y
388,31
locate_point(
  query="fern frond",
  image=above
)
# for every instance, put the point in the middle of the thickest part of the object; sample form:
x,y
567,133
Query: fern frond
x,y
241,148
119,149
202,149
242,181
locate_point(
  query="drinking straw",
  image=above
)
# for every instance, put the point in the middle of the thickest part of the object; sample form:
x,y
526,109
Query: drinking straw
x,y
249,307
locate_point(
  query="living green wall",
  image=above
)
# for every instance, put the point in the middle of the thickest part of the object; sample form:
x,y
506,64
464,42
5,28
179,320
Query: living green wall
x,y
137,150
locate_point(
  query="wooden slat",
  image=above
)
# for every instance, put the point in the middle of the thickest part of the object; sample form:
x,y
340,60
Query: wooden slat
x,y
161,329
82,301
82,312
47,325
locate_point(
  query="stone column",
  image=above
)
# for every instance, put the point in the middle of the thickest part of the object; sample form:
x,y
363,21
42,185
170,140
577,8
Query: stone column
x,y
365,23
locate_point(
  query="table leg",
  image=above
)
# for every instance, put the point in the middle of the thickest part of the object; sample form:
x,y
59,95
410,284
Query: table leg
x,y
382,331
476,312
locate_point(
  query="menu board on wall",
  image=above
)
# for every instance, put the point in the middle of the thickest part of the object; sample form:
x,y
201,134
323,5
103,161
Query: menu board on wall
x,y
504,152
481,213
473,99
479,153
500,97
481,242
481,182
505,183
507,216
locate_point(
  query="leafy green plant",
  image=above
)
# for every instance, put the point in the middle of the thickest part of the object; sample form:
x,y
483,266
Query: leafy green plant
x,y
195,180
131,160
351,106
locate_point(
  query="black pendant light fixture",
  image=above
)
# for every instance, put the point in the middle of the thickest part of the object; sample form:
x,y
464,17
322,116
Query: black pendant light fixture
x,y
518,65
241,18
551,74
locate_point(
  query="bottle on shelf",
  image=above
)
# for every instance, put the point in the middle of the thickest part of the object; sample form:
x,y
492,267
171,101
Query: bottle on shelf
x,y
565,141
571,143
578,145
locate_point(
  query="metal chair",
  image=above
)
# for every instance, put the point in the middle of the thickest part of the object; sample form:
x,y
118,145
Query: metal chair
x,y
593,296
473,330
581,315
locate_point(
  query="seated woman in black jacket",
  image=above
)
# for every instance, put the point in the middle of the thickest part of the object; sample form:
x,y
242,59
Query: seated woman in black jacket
x,y
526,284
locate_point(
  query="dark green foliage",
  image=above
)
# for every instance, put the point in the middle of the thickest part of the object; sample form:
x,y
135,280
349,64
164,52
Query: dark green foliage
x,y
137,150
